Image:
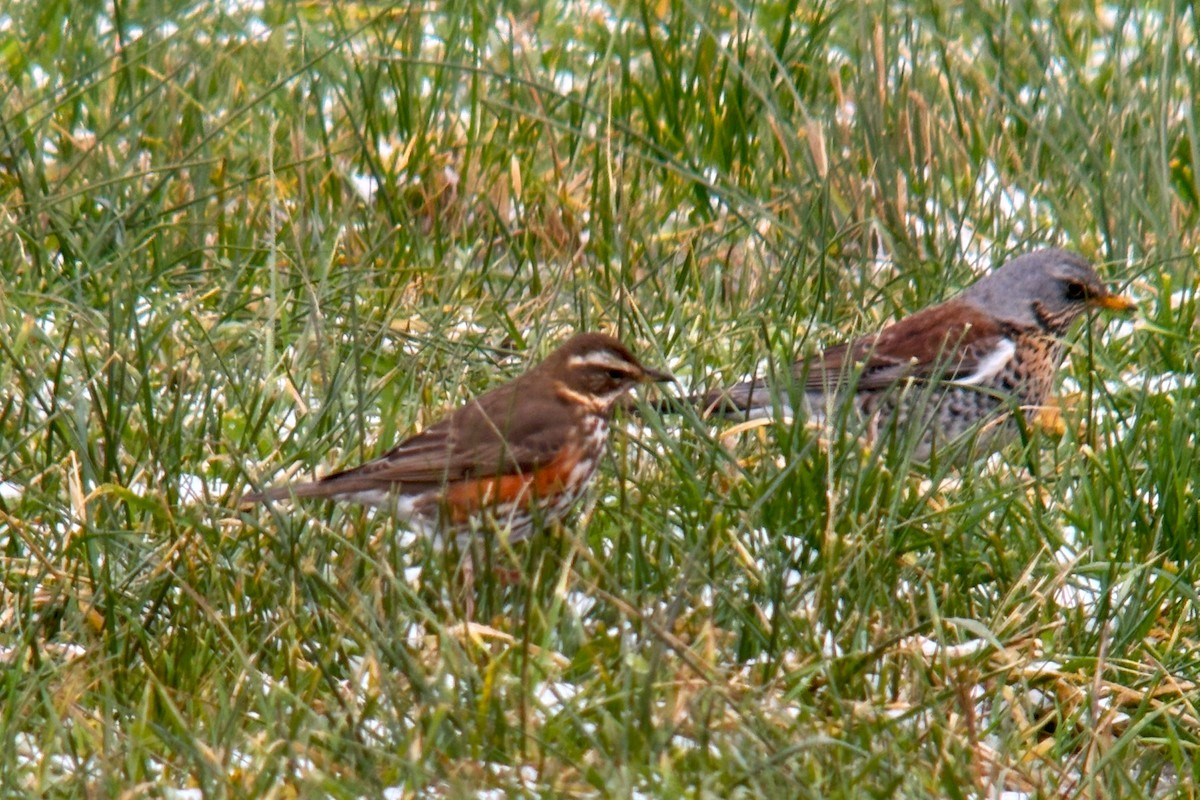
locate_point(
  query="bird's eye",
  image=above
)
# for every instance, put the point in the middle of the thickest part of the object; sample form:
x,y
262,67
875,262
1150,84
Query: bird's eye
x,y
616,374
1076,291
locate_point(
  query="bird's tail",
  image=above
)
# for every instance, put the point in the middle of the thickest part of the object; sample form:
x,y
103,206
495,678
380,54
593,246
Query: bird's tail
x,y
746,400
292,490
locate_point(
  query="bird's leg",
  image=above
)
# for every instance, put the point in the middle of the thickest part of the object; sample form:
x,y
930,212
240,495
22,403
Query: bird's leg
x,y
466,570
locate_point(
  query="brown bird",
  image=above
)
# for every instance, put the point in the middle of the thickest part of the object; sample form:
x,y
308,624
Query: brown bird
x,y
959,367
515,457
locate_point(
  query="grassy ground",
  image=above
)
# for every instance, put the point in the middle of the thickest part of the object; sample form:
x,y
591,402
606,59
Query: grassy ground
x,y
240,242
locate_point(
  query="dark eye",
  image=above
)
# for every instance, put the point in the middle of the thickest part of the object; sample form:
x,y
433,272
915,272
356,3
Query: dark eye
x,y
1076,291
616,374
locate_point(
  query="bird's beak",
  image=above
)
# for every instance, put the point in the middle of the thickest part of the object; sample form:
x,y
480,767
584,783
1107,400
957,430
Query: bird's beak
x,y
656,376
1112,302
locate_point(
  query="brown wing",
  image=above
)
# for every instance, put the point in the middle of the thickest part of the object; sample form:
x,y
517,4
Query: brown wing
x,y
946,341
490,436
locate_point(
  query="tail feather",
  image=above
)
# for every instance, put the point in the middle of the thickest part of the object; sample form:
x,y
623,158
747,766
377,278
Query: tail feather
x,y
746,400
289,491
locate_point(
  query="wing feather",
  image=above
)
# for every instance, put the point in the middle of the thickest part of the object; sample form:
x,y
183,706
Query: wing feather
x,y
487,437
944,342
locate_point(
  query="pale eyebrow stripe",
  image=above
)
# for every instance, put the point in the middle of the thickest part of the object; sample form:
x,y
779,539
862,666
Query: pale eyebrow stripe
x,y
600,358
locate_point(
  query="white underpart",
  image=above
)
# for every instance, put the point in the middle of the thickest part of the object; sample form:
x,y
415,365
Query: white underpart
x,y
597,439
990,366
403,506
769,412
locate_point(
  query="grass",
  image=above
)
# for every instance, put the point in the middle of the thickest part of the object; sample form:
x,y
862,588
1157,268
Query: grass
x,y
243,241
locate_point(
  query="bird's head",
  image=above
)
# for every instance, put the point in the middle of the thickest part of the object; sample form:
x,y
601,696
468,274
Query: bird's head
x,y
596,369
1048,288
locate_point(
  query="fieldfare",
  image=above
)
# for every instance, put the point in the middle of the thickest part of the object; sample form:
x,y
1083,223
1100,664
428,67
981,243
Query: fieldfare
x,y
972,369
515,457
